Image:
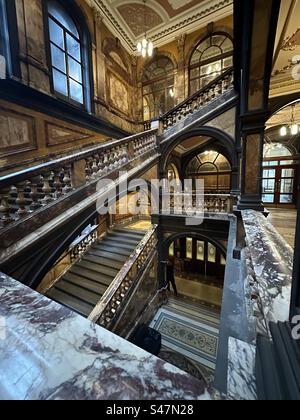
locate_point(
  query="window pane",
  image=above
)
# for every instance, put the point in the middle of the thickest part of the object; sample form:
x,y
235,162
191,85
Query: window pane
x,y
268,185
73,47
269,173
268,198
56,34
287,173
58,59
60,14
60,82
76,91
75,70
200,251
212,253
171,250
189,248
223,260
287,186
286,199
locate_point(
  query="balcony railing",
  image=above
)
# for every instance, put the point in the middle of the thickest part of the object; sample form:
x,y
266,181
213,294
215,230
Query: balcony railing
x,y
201,98
25,192
112,302
187,204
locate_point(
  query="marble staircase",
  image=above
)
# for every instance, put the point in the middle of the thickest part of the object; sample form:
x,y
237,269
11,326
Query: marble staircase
x,y
81,288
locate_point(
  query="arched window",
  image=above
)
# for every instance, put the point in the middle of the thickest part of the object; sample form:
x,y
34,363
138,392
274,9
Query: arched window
x,y
158,87
210,59
214,169
69,58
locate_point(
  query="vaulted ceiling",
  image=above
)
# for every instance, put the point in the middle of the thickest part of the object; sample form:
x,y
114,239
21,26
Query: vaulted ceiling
x,y
164,20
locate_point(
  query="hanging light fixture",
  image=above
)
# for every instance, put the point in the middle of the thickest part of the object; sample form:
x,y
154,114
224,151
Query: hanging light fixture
x,y
293,126
145,47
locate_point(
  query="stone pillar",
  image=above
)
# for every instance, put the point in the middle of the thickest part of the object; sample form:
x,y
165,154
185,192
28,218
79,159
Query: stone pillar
x,y
255,31
180,90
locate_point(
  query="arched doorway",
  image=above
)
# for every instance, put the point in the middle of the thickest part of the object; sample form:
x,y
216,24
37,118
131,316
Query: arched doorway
x,y
199,267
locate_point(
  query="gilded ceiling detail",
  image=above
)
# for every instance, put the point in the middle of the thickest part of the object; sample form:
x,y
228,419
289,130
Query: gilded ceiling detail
x,y
139,18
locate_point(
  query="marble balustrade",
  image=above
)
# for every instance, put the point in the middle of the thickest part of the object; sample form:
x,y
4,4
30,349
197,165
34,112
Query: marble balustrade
x,y
269,264
201,98
51,353
27,191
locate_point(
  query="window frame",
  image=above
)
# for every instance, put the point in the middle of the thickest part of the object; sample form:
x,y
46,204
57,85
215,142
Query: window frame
x,y
151,82
85,50
221,57
9,35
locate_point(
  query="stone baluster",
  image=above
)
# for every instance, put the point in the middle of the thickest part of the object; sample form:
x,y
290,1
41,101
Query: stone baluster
x,y
94,167
88,170
67,181
34,193
111,161
101,165
57,184
21,201
47,190
5,217
105,163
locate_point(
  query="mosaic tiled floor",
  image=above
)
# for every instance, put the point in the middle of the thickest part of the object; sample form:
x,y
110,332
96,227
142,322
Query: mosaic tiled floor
x,y
193,336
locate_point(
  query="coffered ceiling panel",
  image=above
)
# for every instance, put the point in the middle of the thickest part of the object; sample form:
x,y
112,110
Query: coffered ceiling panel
x,y
164,20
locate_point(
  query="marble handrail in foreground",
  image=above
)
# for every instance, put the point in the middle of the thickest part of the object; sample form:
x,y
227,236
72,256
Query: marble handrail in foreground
x,y
51,353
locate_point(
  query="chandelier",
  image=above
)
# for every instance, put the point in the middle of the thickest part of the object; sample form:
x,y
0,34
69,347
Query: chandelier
x,y
293,126
145,47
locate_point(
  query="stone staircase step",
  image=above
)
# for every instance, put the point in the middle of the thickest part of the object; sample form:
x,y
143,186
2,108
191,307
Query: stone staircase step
x,y
75,304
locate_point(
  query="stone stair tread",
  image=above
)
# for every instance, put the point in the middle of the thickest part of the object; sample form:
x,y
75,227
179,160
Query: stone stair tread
x,y
78,292
98,268
126,241
103,261
107,254
116,243
70,302
91,275
90,285
139,233
112,249
83,285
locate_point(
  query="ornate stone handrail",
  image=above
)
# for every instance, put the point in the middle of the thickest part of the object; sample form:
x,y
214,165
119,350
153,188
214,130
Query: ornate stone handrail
x,y
113,299
212,203
26,191
211,91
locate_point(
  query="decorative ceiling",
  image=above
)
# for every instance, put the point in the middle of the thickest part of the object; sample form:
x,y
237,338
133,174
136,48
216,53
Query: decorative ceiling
x,y
191,144
286,74
284,116
164,20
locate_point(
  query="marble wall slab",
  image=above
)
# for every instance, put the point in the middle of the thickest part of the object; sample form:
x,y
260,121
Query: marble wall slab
x,y
50,353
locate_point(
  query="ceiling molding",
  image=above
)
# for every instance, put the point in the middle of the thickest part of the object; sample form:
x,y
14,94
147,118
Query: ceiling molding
x,y
190,20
